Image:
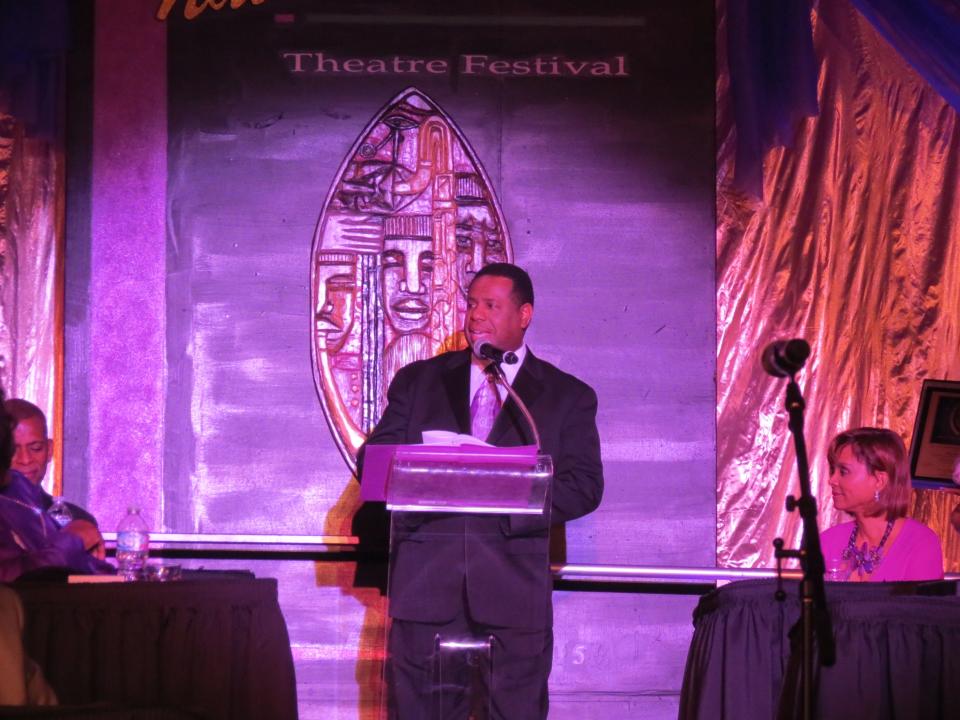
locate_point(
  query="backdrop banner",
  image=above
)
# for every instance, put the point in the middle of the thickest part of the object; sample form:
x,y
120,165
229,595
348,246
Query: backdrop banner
x,y
334,180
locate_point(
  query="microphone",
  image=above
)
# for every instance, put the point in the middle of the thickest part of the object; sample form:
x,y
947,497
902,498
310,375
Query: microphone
x,y
488,351
784,358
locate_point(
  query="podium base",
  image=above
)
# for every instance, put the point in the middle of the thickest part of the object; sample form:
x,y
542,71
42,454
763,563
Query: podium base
x,y
462,675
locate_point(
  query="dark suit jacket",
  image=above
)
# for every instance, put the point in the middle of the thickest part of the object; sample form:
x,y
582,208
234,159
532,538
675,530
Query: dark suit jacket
x,y
499,564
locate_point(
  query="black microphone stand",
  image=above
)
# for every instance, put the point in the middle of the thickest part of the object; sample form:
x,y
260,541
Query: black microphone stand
x,y
815,617
497,371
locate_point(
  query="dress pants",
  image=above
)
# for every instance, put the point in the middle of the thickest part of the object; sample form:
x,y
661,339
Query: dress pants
x,y
521,662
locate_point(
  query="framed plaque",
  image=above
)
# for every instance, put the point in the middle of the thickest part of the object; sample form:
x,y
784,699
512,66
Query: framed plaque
x,y
936,434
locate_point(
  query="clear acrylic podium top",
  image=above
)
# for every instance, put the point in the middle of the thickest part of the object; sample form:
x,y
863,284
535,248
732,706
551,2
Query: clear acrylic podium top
x,y
460,479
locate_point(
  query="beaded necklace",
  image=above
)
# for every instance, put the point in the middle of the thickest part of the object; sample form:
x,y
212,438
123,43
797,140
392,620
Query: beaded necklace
x,y
865,559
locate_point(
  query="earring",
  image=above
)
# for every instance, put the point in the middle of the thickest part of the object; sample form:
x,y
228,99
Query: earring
x,y
876,495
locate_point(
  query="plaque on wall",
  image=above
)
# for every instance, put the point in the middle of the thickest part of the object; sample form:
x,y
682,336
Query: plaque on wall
x,y
935,448
409,219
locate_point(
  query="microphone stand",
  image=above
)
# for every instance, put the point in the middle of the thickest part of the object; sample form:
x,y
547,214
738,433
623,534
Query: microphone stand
x,y
815,617
502,379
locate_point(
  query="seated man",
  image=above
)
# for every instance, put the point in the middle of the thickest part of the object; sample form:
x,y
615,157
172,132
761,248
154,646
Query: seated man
x,y
33,450
29,538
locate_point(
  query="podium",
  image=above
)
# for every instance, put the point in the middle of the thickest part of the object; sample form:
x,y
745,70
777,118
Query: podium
x,y
450,525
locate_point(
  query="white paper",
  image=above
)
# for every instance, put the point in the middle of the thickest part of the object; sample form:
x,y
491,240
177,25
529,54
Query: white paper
x,y
445,437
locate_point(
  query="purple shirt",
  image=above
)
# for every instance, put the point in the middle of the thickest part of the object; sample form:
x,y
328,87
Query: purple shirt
x,y
30,539
914,555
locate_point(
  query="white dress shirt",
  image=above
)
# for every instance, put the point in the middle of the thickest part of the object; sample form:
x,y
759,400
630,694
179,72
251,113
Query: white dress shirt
x,y
477,376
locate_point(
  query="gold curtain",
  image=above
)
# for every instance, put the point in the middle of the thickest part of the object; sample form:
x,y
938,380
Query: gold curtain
x,y
31,284
854,246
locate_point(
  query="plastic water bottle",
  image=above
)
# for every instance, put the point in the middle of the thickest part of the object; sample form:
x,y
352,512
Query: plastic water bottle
x,y
59,512
133,545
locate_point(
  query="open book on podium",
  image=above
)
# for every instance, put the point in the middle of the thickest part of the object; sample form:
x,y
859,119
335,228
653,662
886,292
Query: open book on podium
x,y
472,477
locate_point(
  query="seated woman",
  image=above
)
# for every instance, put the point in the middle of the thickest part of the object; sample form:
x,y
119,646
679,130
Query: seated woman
x,y
870,480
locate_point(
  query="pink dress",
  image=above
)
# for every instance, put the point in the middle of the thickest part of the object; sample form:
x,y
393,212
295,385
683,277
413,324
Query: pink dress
x,y
914,555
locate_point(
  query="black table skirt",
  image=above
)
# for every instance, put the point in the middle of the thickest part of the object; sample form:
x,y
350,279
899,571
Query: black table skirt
x,y
898,654
219,647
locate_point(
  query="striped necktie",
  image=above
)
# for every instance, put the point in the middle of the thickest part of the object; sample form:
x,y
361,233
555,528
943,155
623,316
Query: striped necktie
x,y
484,408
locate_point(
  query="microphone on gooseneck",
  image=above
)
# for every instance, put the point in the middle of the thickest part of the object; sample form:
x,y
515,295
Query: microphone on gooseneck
x,y
488,351
485,350
785,358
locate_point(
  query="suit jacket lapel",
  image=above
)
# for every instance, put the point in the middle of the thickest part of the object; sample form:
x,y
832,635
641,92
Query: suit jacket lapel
x,y
528,385
456,381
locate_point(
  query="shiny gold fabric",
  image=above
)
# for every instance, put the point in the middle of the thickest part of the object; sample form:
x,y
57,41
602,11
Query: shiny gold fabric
x,y
31,322
854,246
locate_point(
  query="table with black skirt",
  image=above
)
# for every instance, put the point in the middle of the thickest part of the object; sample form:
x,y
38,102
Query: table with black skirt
x,y
898,653
218,647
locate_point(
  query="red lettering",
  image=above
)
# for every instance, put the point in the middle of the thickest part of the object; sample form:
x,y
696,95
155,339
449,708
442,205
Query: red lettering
x,y
473,64
601,68
321,64
297,60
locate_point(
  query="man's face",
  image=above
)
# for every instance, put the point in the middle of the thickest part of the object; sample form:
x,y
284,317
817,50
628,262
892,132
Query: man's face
x,y
336,285
31,450
477,244
407,282
493,314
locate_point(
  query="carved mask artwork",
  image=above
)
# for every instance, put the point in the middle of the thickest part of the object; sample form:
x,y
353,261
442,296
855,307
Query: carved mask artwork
x,y
335,287
409,219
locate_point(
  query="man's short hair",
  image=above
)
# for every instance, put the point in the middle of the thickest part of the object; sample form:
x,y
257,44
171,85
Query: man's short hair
x,y
522,285
19,410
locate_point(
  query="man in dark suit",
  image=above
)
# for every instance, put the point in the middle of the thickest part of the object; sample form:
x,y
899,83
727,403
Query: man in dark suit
x,y
27,545
455,575
33,451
